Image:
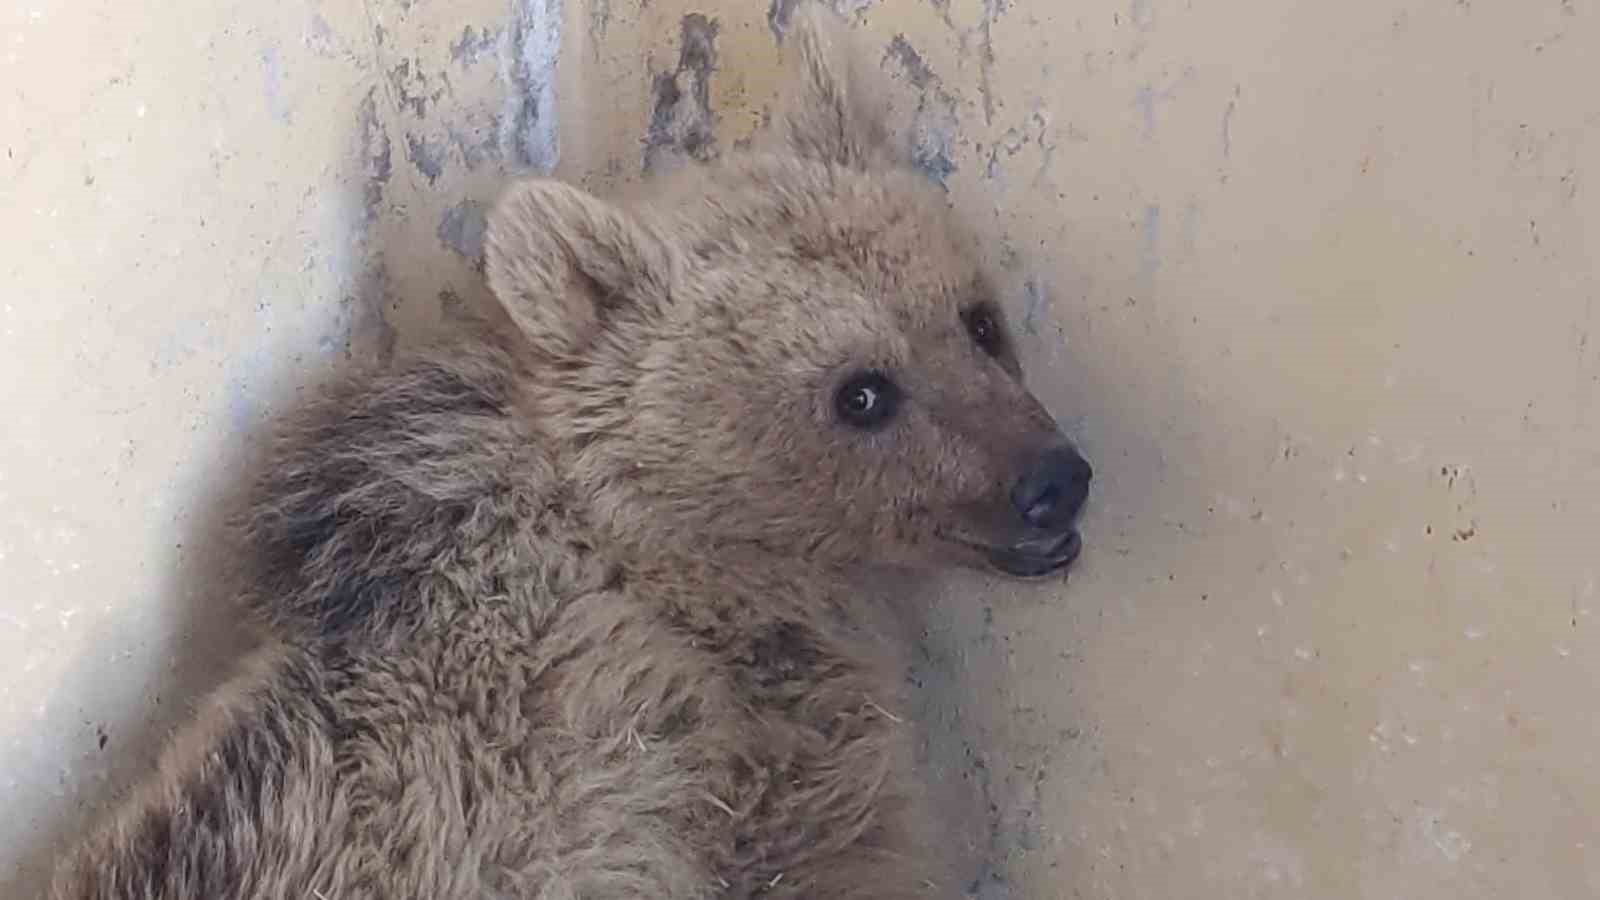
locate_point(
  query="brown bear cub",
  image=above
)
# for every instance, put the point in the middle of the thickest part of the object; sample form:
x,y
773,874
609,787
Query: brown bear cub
x,y
568,609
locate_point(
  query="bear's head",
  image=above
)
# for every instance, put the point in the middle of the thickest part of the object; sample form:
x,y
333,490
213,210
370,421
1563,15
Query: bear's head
x,y
795,350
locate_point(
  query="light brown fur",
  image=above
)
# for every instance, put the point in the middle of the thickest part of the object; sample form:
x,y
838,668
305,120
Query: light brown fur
x,y
568,612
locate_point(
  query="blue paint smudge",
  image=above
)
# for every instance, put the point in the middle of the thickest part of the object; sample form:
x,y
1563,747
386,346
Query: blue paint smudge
x,y
1147,96
462,229
426,155
272,76
529,129
934,129
1141,14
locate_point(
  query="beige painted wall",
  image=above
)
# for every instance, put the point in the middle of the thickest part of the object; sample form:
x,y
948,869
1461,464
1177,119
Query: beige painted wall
x,y
1314,284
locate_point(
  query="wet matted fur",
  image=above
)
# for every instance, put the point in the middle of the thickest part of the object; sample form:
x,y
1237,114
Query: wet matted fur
x,y
566,609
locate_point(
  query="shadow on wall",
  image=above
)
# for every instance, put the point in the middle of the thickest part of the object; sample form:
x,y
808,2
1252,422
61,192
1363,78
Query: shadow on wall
x,y
205,640
206,633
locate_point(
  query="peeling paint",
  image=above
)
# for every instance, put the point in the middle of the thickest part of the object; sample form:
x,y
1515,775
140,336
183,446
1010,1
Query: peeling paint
x,y
682,122
473,45
376,156
475,140
933,135
462,229
529,124
911,62
935,124
427,155
992,10
413,91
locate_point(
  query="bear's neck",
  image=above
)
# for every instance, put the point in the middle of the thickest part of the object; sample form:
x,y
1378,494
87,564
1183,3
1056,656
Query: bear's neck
x,y
733,594
722,572
711,583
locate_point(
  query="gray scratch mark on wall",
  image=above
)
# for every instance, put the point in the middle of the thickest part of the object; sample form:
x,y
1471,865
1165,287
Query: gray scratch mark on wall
x,y
1150,242
1145,99
1189,228
1227,129
529,127
1586,365
1036,299
991,11
365,316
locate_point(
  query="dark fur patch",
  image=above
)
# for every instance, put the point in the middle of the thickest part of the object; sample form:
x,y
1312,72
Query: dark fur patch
x,y
360,505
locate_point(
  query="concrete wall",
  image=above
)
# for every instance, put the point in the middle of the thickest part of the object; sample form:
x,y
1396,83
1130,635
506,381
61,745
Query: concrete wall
x,y
1314,284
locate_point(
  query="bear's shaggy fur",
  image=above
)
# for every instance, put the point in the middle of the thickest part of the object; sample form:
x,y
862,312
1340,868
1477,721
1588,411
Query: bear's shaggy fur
x,y
565,610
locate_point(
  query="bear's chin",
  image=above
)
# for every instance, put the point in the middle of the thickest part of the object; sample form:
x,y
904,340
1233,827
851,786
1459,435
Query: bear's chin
x,y
1032,563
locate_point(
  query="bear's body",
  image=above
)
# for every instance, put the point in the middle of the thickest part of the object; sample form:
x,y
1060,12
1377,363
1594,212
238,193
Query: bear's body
x,y
565,610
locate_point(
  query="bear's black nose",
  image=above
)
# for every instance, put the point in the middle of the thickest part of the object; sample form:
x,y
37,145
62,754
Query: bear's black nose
x,y
1051,494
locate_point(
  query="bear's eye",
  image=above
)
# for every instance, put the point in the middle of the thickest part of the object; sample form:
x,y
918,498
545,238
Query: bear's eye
x,y
867,400
984,327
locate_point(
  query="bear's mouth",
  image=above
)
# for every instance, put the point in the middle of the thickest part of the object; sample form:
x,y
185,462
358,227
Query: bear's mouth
x,y
1038,559
1030,558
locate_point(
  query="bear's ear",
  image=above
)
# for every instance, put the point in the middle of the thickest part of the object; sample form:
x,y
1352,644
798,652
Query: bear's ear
x,y
565,264
832,110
